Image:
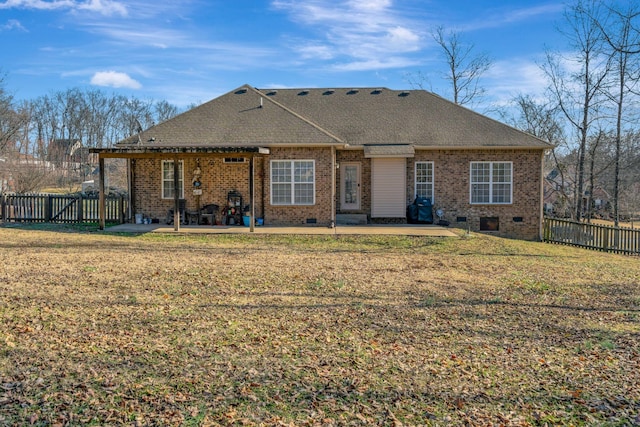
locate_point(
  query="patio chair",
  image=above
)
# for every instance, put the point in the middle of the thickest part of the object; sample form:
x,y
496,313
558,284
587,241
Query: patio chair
x,y
181,209
208,213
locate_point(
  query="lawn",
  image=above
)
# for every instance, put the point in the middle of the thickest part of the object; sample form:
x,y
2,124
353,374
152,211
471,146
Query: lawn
x,y
99,329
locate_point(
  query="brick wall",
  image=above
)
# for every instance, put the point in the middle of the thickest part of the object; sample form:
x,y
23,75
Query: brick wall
x,y
320,212
217,178
451,187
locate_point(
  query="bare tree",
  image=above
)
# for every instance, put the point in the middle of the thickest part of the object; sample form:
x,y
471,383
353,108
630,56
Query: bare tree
x,y
623,39
538,119
598,164
577,88
60,127
11,119
164,111
465,67
543,121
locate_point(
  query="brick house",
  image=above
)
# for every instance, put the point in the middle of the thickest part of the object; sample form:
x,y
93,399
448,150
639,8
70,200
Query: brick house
x,y
323,156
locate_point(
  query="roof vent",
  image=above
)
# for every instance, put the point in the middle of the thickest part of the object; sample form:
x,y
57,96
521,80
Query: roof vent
x,y
353,92
329,92
272,93
376,92
303,93
240,91
403,93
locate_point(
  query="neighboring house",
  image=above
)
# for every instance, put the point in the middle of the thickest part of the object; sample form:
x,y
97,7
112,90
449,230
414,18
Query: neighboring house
x,y
557,193
600,201
65,154
319,156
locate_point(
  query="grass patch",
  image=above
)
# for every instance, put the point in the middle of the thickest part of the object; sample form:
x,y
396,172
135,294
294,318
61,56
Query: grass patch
x,y
85,227
103,329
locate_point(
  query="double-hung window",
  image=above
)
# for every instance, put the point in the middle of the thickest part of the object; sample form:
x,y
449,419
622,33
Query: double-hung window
x,y
293,182
167,180
491,182
424,180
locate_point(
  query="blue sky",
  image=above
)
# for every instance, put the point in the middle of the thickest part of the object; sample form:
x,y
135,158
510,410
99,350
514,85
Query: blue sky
x,y
190,51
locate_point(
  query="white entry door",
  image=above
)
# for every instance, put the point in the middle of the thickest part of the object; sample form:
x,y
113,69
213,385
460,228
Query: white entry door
x,y
350,186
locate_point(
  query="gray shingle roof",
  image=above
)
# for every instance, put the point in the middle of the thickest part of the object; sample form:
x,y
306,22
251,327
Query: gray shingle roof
x,y
357,117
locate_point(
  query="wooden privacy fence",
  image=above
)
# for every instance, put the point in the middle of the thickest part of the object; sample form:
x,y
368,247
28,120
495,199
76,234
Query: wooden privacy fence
x,y
60,208
591,236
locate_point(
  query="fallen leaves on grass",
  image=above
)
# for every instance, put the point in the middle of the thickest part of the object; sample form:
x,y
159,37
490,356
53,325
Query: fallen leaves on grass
x,y
111,330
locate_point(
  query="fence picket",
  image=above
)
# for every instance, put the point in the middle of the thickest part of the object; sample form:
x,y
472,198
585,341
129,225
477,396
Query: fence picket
x,y
56,208
592,236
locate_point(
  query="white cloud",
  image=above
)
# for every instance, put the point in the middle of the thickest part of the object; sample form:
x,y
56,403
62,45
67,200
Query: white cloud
x,y
518,15
12,24
509,15
103,7
375,64
361,30
404,38
114,79
141,35
36,4
370,4
508,78
315,51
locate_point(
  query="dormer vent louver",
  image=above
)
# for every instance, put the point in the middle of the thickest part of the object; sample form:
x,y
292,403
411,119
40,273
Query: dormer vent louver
x,y
241,91
329,92
272,93
403,94
303,93
353,92
376,92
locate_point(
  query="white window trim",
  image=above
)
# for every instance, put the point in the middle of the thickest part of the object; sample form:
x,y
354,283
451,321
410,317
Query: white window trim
x,y
491,184
293,201
180,179
415,180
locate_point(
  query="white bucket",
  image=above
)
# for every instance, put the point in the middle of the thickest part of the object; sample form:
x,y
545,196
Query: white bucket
x,y
138,218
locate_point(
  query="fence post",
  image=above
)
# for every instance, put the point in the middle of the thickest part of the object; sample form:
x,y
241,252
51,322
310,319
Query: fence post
x,y
121,209
3,204
47,208
80,209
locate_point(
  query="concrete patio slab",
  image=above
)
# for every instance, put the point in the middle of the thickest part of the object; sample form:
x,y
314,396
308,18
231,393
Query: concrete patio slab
x,y
398,230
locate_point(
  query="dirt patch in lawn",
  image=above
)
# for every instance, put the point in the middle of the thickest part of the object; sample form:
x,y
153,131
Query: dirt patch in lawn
x,y
277,330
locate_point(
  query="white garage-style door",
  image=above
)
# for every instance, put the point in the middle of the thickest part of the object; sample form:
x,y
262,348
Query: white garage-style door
x,y
388,187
